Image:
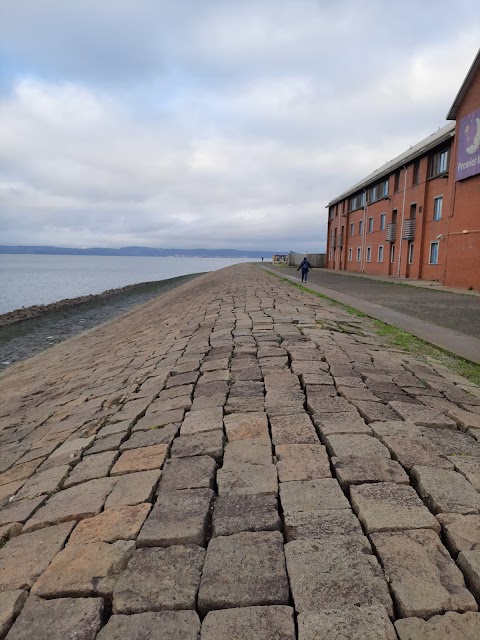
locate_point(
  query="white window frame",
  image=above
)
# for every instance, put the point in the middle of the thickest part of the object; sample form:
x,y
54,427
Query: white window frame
x,y
359,254
370,225
385,189
383,218
433,253
392,253
410,252
350,254
352,229
330,255
360,227
369,254
437,208
380,253
443,162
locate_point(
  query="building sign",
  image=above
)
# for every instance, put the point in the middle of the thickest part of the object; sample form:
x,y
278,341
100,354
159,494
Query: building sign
x,y
468,163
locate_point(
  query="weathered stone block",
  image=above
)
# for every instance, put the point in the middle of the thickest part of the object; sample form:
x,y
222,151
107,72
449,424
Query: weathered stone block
x,y
302,462
202,420
82,501
91,467
240,426
255,451
293,429
188,473
367,623
335,573
350,471
160,579
159,419
311,496
386,506
78,618
240,478
469,467
469,563
20,510
133,488
202,444
143,459
43,483
244,569
162,435
445,491
11,603
423,416
24,558
344,422
269,623
315,525
122,523
178,517
164,625
236,513
375,411
461,533
355,446
83,570
454,626
414,559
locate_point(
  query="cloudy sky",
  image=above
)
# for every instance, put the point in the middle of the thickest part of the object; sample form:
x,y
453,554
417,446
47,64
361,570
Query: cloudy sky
x,y
212,123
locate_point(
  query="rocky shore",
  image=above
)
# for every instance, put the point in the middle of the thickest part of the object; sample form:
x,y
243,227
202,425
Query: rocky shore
x,y
28,331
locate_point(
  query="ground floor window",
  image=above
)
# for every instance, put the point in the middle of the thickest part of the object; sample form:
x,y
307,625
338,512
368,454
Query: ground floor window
x,y
359,254
350,252
330,255
433,253
380,253
410,253
369,254
392,253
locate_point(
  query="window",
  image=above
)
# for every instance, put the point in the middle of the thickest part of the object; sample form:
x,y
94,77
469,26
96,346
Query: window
x,y
330,255
359,254
384,189
350,254
392,253
416,172
380,253
370,225
360,227
330,214
373,193
369,254
410,253
413,211
433,253
438,163
437,208
336,210
382,222
352,229
396,184
356,202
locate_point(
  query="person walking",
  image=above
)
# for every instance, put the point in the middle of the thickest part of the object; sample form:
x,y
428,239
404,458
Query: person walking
x,y
304,266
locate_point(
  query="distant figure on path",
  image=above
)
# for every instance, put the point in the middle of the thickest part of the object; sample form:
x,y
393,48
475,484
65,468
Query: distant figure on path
x,y
262,258
304,266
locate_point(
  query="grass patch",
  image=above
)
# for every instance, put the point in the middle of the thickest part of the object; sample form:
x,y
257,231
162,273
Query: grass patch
x,y
416,346
404,341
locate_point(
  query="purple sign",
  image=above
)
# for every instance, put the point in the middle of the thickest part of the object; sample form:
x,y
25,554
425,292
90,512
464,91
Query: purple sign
x,y
468,163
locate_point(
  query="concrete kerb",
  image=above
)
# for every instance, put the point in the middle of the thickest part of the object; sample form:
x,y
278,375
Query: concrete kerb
x,y
459,344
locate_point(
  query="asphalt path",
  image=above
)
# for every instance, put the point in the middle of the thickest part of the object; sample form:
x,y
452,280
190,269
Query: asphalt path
x,y
456,311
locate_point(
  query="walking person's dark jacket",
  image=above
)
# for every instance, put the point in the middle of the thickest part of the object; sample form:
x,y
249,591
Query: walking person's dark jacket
x,y
304,266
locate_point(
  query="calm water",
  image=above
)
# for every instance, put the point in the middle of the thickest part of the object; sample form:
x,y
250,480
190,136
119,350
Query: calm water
x,y
26,280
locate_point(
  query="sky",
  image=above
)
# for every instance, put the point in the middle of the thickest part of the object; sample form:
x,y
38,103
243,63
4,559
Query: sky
x,y
212,123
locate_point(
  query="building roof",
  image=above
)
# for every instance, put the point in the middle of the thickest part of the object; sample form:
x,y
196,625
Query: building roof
x,y
442,135
452,114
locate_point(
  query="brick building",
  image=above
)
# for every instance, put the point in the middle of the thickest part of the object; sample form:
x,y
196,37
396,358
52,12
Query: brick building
x,y
418,216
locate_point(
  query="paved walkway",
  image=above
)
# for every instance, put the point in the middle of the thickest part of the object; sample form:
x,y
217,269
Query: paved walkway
x,y
446,318
237,460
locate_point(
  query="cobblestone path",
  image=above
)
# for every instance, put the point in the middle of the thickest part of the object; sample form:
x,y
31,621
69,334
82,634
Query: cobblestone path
x,y
237,460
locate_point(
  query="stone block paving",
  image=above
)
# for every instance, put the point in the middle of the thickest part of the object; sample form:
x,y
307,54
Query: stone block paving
x,y
238,459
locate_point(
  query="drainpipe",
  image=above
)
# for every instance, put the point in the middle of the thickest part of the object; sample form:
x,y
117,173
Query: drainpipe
x,y
401,225
364,230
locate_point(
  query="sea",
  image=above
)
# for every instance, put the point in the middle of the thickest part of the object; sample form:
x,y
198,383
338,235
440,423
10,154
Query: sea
x,y
27,280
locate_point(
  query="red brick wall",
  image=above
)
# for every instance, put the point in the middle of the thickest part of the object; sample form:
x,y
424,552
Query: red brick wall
x,y
463,259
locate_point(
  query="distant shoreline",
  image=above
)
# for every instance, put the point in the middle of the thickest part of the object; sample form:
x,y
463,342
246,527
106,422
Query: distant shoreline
x,y
35,311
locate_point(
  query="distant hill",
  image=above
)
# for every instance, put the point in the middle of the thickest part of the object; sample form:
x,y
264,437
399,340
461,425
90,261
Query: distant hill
x,y
136,251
